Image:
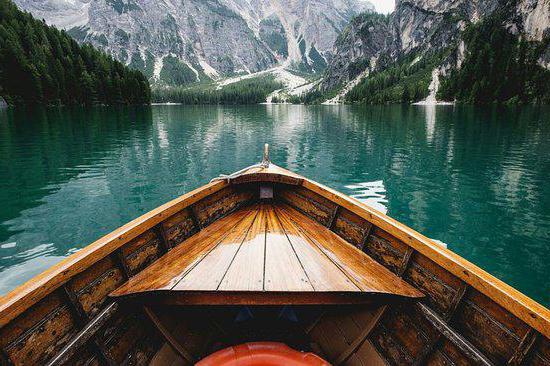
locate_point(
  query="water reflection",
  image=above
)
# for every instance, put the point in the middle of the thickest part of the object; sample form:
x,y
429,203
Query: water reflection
x,y
370,193
477,179
430,111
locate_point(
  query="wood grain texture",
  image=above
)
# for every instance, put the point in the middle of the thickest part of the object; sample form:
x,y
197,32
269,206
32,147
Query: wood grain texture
x,y
351,227
492,318
365,272
386,249
439,285
309,203
246,272
283,270
490,329
87,332
448,354
509,298
26,295
322,273
168,335
178,227
41,332
272,174
168,271
262,249
540,354
220,203
208,271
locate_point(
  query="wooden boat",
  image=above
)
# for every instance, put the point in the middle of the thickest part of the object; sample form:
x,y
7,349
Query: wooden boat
x,y
267,255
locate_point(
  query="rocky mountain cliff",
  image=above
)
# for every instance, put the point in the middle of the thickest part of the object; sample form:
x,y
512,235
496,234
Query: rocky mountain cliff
x,y
181,41
431,32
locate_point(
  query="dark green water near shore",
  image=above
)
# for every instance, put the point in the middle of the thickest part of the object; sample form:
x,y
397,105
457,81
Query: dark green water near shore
x,y
477,179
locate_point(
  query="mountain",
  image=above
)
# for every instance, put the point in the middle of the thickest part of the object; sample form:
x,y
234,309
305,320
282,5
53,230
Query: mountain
x,y
42,65
445,48
176,42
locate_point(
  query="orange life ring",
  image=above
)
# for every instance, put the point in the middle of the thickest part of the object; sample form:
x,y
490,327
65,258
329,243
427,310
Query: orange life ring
x,y
262,354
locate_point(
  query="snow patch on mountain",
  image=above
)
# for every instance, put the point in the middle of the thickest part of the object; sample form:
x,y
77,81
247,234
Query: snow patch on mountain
x,y
157,68
433,88
339,98
208,70
211,39
280,74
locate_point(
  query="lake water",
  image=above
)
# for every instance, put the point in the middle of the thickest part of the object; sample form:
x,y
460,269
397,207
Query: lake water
x,y
477,179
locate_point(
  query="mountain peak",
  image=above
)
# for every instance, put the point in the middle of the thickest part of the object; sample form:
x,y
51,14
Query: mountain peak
x,y
177,42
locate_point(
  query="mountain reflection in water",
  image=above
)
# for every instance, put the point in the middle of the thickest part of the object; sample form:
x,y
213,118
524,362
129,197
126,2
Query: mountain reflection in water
x,y
475,178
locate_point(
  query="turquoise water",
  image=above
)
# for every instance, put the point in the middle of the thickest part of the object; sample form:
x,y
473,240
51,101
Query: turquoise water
x,y
477,179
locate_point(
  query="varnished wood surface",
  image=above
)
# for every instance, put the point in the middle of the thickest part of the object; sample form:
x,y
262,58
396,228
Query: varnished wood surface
x,y
525,308
283,269
168,271
246,273
508,297
474,307
367,274
268,248
26,295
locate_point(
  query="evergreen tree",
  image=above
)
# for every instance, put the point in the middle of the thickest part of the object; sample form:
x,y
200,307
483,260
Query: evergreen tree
x,y
405,96
499,67
248,91
40,64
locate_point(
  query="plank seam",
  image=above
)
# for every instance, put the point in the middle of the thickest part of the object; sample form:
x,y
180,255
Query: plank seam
x,y
289,217
119,257
457,300
176,346
87,332
265,253
366,235
493,321
430,347
315,321
82,317
163,239
293,249
405,262
332,220
206,254
238,249
194,217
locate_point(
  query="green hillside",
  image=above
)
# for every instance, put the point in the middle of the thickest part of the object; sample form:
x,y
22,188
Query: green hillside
x,y
42,65
500,67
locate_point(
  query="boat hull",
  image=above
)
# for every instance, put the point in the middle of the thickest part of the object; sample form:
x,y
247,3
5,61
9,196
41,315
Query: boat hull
x,y
467,316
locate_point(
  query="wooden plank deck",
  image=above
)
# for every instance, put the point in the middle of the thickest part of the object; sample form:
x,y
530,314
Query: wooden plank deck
x,y
266,253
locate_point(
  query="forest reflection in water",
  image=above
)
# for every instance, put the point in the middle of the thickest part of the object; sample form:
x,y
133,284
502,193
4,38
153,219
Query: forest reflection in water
x,y
475,178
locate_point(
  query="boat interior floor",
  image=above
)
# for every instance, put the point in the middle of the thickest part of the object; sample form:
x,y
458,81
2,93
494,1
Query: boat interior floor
x,y
267,253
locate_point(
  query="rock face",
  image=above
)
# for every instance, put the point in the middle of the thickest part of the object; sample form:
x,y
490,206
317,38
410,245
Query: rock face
x,y
371,42
175,41
3,103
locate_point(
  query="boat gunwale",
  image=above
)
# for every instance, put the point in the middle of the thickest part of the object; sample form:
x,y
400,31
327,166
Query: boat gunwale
x,y
35,289
511,299
520,305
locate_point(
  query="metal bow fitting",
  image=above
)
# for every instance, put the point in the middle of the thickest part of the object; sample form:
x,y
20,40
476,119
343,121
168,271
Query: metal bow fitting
x,y
263,164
